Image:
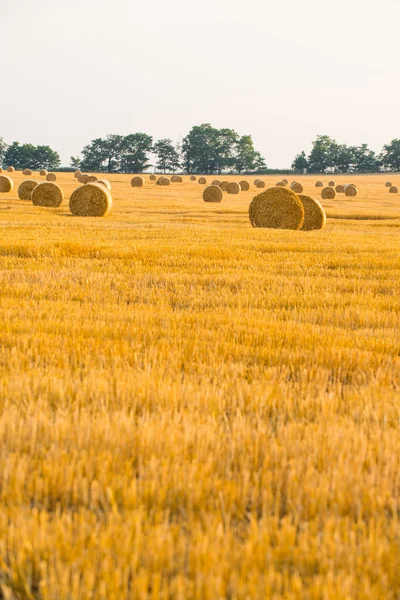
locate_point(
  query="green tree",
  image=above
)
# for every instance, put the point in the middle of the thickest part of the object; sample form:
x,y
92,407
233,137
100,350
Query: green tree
x,y
247,159
3,148
167,156
365,160
322,155
75,162
391,155
343,157
300,163
34,157
103,154
199,149
135,149
225,145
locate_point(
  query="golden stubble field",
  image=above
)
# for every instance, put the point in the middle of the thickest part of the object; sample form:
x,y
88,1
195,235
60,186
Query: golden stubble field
x,y
191,408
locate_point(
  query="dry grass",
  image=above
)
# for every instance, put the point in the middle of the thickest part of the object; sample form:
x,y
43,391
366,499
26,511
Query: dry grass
x,y
193,408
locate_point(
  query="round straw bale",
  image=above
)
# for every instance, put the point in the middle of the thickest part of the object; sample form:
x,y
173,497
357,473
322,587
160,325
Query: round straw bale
x,y
10,169
77,173
328,193
43,172
319,184
153,177
260,184
216,182
314,214
296,187
92,179
193,178
203,181
281,184
137,182
105,182
339,189
176,179
163,181
47,194
256,181
393,190
244,185
51,177
277,208
224,185
212,193
84,178
1,170
350,190
285,181
26,188
331,184
6,184
233,188
91,200
27,172
388,184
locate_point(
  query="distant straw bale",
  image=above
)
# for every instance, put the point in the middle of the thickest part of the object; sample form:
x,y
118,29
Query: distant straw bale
x,y
91,200
216,182
137,181
176,179
393,190
1,170
281,184
332,184
6,184
388,184
153,177
328,193
77,173
47,194
212,193
84,178
203,181
164,181
314,214
51,177
260,184
233,188
106,183
350,190
277,208
43,173
224,185
285,181
10,169
91,179
319,184
296,187
193,178
256,181
26,188
244,185
27,172
339,189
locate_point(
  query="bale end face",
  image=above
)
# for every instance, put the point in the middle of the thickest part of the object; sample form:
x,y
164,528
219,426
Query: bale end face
x,y
176,179
26,188
314,214
51,177
319,184
6,184
202,181
47,194
244,185
296,187
277,208
137,182
350,191
388,184
328,193
260,184
212,193
153,178
27,172
90,200
233,188
164,181
193,178
393,190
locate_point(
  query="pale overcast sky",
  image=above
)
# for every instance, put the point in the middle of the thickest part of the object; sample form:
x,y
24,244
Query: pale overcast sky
x,y
282,70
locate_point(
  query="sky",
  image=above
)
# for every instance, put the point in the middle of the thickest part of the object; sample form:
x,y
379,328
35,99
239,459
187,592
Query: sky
x,y
283,71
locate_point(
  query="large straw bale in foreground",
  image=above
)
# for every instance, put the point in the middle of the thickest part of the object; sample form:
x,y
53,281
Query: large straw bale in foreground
x,y
233,188
296,187
393,190
244,185
27,172
212,193
277,208
105,182
350,190
47,194
90,200
314,214
26,188
260,184
137,182
164,181
328,193
51,177
6,184
176,179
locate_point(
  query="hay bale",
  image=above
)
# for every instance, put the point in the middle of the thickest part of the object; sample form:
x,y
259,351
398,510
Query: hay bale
x,y
27,172
153,177
350,190
224,186
332,184
6,184
244,186
26,188
256,181
260,184
281,184
106,183
319,184
1,170
212,193
163,181
328,193
51,177
393,190
176,179
137,182
47,194
339,189
77,174
314,214
10,169
193,178
90,200
91,179
388,184
285,181
277,208
84,178
202,181
43,173
296,187
216,182
233,188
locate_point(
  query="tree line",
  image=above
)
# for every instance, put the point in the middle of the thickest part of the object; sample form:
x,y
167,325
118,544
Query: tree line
x,y
328,156
27,155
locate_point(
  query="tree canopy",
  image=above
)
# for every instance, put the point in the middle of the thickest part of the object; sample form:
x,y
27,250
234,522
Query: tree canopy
x,y
27,155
